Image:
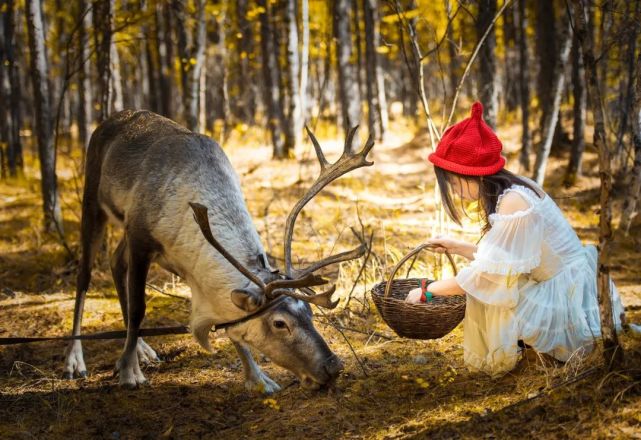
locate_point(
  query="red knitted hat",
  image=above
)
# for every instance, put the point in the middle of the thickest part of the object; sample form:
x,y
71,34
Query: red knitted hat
x,y
469,147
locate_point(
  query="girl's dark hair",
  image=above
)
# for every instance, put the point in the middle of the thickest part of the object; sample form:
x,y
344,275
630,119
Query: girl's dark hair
x,y
490,187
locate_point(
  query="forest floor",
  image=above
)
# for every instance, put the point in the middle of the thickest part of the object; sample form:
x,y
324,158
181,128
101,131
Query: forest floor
x,y
401,388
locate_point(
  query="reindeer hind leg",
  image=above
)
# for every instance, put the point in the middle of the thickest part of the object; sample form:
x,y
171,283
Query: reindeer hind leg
x,y
146,354
94,221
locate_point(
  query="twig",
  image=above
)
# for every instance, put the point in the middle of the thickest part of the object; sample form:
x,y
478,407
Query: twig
x,y
159,290
362,269
377,334
61,236
360,363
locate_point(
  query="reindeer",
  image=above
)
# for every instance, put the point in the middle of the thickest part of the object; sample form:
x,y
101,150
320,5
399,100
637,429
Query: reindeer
x,y
154,177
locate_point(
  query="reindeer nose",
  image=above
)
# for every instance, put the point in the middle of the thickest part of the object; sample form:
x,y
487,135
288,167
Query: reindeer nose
x,y
333,367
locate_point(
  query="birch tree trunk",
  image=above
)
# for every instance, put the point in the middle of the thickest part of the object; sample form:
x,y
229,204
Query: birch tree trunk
x,y
580,96
452,52
293,126
150,67
163,21
628,92
5,92
14,146
246,82
85,107
221,76
270,76
488,84
103,33
191,49
546,51
5,119
349,96
304,60
552,113
524,82
612,350
43,118
630,205
117,100
377,111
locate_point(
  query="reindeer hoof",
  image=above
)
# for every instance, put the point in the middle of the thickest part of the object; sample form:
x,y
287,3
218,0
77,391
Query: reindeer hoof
x,y
128,370
146,354
262,385
74,362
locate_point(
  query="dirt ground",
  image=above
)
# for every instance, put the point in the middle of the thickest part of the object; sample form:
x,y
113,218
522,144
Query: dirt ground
x,y
396,388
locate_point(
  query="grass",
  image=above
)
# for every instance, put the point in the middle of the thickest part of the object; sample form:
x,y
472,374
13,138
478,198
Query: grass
x,y
408,389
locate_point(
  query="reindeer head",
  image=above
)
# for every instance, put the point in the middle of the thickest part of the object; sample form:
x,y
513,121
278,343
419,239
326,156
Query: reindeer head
x,y
279,317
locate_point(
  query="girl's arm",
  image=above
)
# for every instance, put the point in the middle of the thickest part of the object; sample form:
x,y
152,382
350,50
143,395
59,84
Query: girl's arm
x,y
445,287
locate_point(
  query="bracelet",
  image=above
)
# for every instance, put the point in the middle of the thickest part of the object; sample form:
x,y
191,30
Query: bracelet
x,y
426,296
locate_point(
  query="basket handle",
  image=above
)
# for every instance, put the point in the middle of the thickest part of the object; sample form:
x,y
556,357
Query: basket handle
x,y
411,254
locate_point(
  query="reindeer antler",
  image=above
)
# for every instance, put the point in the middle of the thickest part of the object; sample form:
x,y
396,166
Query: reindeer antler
x,y
348,161
273,288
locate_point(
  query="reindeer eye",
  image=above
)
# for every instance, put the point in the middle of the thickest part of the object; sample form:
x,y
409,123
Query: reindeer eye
x,y
280,324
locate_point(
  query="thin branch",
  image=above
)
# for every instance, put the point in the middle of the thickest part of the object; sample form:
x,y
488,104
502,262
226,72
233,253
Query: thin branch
x,y
360,363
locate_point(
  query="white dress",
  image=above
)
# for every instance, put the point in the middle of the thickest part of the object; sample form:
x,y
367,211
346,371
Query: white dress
x,y
531,279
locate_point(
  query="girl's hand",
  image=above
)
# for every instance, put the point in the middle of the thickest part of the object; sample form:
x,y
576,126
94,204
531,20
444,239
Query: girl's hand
x,y
414,296
453,246
446,243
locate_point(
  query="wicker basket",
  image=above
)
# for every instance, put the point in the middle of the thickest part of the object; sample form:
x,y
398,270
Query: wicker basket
x,y
430,320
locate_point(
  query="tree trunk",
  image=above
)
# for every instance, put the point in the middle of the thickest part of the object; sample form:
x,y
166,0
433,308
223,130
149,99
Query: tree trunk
x,y
85,108
164,49
488,84
43,117
409,90
579,93
304,60
629,89
246,81
14,122
630,205
524,82
5,120
454,64
191,50
150,67
552,114
546,50
510,80
347,73
221,64
377,111
613,353
271,76
117,100
358,46
103,33
294,126
5,92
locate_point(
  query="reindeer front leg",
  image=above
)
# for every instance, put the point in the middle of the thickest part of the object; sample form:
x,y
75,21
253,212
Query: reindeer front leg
x,y
128,366
255,379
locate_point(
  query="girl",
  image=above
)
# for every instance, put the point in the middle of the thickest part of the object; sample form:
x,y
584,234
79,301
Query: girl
x,y
530,279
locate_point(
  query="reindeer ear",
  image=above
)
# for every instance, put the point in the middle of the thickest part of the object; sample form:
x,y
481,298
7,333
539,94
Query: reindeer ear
x,y
247,299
